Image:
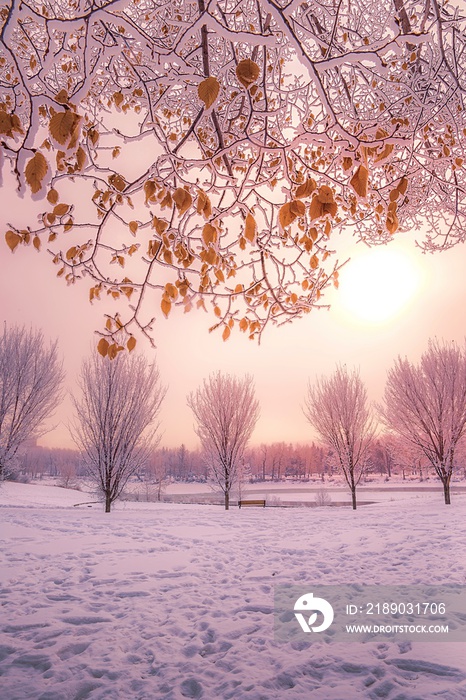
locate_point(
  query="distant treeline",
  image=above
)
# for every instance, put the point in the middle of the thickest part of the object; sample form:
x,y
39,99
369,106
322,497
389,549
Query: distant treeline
x,y
274,461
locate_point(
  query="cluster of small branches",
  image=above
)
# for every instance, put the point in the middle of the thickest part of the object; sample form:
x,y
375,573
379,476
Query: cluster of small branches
x,y
31,378
115,427
226,412
424,406
339,410
209,152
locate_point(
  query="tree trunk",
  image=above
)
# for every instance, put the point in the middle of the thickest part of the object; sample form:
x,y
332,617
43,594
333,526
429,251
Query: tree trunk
x,y
353,497
108,503
227,500
446,490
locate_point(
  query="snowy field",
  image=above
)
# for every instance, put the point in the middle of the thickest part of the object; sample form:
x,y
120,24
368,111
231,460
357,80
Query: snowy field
x,y
168,601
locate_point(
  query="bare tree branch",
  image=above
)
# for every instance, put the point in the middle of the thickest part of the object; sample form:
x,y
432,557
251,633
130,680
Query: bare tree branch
x,y
425,404
226,413
31,377
338,409
115,414
184,147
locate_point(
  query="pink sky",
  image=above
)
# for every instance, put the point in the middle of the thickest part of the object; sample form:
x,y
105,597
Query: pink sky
x,y
287,357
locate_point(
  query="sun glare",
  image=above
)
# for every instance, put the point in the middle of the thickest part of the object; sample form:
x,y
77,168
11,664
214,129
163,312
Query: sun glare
x,y
378,284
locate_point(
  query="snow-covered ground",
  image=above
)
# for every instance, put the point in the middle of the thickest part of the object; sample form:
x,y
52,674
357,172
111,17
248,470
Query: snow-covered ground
x,y
168,601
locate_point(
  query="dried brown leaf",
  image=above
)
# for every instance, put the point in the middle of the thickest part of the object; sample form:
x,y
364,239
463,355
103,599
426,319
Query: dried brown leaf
x,y
316,208
306,189
250,228
208,91
204,205
247,72
325,194
209,234
391,222
36,170
12,240
102,347
166,306
182,199
63,126
359,181
52,196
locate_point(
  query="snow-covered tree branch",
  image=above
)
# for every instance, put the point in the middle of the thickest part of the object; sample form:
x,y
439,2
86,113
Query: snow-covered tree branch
x,y
425,404
338,409
209,152
115,426
226,412
31,378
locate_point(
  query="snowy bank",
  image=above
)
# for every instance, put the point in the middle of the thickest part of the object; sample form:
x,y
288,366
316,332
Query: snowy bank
x,y
164,601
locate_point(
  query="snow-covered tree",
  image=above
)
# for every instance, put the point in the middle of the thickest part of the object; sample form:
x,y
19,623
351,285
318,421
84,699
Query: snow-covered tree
x,y
425,404
31,378
226,412
207,152
338,409
115,425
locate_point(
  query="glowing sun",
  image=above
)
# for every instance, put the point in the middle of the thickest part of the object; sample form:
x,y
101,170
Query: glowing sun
x,y
378,284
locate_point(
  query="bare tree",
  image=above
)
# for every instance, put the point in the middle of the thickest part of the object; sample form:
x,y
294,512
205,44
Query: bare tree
x,y
156,476
115,419
426,405
276,124
226,413
337,407
31,377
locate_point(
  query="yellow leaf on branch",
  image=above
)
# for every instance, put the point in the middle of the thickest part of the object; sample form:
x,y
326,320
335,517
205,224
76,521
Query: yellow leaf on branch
x,y
323,203
250,228
391,222
160,225
52,196
12,240
326,194
62,97
247,72
208,91
306,189
166,306
171,291
61,209
9,123
102,347
150,189
64,127
209,234
182,199
402,185
297,208
204,205
359,181
347,163
289,211
285,215
36,170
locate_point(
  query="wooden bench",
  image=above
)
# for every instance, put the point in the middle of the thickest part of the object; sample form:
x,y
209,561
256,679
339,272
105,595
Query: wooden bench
x,y
249,502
